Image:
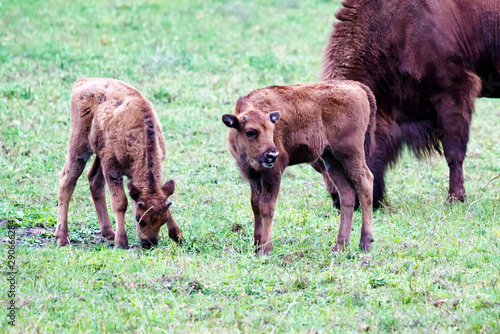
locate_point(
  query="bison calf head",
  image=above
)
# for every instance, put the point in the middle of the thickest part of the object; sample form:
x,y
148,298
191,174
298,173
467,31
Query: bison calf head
x,y
152,211
252,140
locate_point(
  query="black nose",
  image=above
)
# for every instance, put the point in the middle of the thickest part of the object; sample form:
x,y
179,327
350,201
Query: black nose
x,y
147,243
272,156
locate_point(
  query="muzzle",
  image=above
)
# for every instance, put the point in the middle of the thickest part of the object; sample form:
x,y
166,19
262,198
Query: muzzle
x,y
147,243
269,157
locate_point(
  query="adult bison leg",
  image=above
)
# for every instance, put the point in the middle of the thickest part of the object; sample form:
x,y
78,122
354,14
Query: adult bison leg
x,y
270,187
455,127
388,146
338,179
96,185
454,118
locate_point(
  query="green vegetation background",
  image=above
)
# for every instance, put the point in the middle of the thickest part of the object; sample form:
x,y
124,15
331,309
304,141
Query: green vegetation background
x,y
433,267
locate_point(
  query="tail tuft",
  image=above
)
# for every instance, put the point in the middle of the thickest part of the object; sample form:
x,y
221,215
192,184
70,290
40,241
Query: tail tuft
x,y
372,124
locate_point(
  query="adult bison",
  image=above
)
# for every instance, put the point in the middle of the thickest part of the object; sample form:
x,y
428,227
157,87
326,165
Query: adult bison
x,y
426,61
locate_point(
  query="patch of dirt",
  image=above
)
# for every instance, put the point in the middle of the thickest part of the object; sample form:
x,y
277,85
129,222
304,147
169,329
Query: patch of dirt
x,y
36,236
3,222
40,236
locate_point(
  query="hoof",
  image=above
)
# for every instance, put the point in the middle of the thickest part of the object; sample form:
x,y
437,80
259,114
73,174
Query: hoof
x,y
365,245
62,240
264,249
454,198
339,247
123,244
63,243
176,236
109,235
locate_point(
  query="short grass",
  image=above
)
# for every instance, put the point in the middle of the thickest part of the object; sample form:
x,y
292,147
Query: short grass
x,y
433,267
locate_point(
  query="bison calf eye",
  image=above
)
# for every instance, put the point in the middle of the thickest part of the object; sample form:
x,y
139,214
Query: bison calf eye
x,y
141,222
251,133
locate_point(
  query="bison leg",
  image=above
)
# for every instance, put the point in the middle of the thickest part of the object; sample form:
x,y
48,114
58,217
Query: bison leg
x,y
97,190
361,177
267,203
387,151
119,203
78,153
319,166
174,232
454,119
338,179
388,146
257,232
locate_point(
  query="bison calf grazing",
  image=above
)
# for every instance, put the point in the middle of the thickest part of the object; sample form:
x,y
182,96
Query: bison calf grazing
x,y
114,121
332,122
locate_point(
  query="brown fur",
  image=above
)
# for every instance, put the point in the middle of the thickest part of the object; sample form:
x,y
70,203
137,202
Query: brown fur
x,y
331,121
426,62
114,121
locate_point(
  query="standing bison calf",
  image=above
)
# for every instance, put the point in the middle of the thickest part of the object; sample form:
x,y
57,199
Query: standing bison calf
x,y
332,122
114,121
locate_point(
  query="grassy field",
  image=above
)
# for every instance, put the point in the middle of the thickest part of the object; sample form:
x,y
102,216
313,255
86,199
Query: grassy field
x,y
433,267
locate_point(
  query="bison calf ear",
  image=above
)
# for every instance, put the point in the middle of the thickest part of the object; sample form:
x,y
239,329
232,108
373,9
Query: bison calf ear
x,y
168,188
274,116
231,121
135,192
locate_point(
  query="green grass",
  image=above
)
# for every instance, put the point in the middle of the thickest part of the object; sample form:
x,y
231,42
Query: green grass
x,y
433,267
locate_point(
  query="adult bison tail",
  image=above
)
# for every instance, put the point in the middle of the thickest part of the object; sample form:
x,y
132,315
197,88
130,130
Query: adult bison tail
x,y
372,124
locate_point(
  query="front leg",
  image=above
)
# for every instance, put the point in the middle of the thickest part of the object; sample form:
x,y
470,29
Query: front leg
x,y
270,181
78,154
255,199
119,204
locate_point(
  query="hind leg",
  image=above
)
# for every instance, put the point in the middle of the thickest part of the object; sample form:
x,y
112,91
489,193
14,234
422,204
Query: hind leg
x,y
454,116
456,135
346,193
78,153
319,166
353,161
362,179
97,189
